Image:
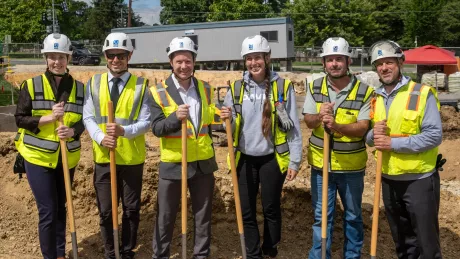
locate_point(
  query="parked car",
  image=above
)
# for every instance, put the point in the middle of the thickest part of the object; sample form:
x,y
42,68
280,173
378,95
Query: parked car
x,y
82,56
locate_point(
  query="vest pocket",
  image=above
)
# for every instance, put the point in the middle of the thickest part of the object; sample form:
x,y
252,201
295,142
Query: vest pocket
x,y
409,123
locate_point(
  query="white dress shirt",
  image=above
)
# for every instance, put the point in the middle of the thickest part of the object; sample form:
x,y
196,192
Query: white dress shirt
x,y
190,97
144,120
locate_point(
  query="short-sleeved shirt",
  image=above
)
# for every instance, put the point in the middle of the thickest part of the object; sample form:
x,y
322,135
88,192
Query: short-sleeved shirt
x,y
309,106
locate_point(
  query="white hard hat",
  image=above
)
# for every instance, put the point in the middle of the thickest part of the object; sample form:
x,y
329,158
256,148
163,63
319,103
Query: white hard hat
x,y
118,40
335,46
182,44
385,49
57,43
254,44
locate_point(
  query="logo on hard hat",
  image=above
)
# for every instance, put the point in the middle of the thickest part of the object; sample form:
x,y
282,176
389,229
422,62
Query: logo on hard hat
x,y
115,43
379,52
335,49
251,47
181,44
56,45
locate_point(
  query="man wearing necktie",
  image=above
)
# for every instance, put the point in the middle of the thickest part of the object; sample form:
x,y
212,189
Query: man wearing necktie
x,y
131,104
183,97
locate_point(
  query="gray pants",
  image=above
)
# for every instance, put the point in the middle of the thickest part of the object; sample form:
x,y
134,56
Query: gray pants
x,y
201,187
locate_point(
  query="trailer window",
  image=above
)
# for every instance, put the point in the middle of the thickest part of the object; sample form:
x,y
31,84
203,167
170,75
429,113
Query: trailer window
x,y
290,35
133,41
194,38
271,36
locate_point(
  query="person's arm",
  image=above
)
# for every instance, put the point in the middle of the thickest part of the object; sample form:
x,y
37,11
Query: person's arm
x,y
430,135
294,136
23,115
310,114
144,120
370,138
88,117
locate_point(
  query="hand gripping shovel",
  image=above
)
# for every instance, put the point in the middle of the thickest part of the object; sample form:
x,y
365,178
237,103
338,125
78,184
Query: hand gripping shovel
x,y
236,191
68,194
114,191
375,211
184,189
324,200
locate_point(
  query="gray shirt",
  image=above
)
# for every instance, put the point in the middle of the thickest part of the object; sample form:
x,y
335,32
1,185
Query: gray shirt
x,y
252,142
309,106
430,135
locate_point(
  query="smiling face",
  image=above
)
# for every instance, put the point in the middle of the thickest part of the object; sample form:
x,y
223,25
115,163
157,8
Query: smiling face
x,y
57,62
255,63
182,64
388,69
336,66
117,59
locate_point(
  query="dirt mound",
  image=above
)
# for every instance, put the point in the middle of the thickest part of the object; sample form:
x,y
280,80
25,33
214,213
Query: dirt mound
x,y
450,122
83,74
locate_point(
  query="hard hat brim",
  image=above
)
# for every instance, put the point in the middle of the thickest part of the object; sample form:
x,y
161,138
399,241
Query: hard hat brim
x,y
56,51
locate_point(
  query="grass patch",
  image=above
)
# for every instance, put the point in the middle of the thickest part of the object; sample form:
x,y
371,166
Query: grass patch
x,y
5,92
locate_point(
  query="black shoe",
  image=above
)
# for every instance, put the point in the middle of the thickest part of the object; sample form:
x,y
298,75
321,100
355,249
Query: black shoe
x,y
271,252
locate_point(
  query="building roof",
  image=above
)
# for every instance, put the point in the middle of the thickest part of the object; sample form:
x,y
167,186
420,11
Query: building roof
x,y
430,55
205,25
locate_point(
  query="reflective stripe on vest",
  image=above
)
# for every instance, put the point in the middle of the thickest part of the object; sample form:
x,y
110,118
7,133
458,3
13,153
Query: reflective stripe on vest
x,y
97,105
161,90
414,97
39,103
317,95
178,134
338,146
48,145
73,145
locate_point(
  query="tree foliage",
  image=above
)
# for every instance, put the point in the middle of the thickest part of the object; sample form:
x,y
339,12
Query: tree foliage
x,y
184,11
223,10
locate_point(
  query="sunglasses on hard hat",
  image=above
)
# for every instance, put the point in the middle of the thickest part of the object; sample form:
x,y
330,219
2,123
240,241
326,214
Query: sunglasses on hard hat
x,y
120,56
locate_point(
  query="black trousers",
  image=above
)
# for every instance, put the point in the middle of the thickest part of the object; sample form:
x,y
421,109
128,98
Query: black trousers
x,y
129,185
252,171
412,209
49,191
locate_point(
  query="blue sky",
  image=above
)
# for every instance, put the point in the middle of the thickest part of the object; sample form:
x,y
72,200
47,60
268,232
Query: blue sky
x,y
149,10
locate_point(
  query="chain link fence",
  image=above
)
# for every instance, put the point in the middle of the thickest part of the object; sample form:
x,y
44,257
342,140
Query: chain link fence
x,y
33,50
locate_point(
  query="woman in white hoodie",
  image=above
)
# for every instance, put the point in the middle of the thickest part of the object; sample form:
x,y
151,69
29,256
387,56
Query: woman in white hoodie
x,y
267,141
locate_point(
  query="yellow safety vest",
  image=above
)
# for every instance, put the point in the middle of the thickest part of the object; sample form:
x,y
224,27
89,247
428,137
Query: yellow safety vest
x,y
279,137
128,151
43,148
199,141
405,119
347,153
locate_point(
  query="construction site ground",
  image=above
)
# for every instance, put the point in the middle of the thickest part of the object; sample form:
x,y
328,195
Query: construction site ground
x,y
19,216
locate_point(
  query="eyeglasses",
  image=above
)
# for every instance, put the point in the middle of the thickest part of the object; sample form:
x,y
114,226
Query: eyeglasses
x,y
120,56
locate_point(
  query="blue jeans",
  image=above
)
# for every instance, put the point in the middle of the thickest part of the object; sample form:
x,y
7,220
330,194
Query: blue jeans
x,y
350,187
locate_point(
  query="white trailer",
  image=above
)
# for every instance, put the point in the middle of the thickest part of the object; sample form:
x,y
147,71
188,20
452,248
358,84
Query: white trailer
x,y
219,43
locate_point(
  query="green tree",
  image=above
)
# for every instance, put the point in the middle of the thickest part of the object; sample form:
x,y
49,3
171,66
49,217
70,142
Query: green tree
x,y
184,11
422,21
317,20
71,22
450,23
102,18
223,10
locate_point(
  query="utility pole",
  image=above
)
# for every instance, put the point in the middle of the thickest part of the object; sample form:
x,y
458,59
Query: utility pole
x,y
130,3
54,27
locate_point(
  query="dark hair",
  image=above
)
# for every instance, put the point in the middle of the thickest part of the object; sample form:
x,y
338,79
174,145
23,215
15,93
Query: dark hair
x,y
267,110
